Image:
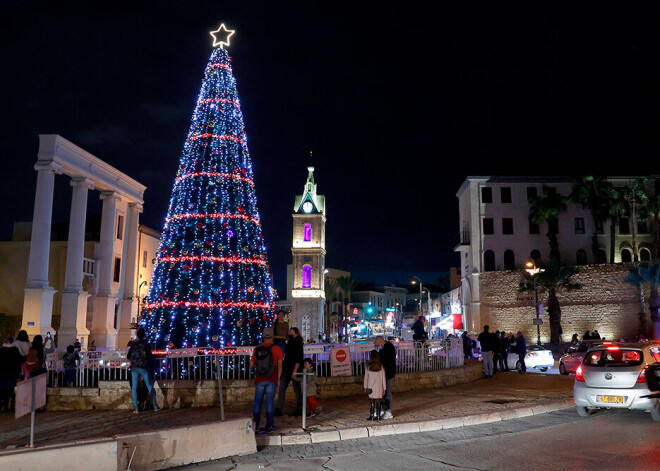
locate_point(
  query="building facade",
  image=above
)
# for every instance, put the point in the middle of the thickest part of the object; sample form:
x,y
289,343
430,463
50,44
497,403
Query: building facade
x,y
497,235
308,267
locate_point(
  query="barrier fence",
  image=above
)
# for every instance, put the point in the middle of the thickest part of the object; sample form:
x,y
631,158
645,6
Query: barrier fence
x,y
234,363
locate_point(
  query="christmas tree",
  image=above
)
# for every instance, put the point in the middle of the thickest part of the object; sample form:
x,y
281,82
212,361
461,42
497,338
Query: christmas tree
x,y
211,285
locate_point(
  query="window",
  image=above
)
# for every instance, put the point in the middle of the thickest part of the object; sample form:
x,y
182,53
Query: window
x,y
486,195
614,358
120,227
307,233
509,260
624,226
505,194
601,257
579,225
531,192
489,260
117,271
533,227
550,190
581,257
626,256
642,227
599,227
144,259
488,226
307,276
507,226
645,255
535,255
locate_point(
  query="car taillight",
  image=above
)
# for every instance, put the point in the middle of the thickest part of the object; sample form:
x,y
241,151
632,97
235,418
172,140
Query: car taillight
x,y
578,374
642,375
532,354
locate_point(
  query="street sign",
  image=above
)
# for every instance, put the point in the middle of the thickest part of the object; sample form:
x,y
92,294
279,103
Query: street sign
x,y
340,361
30,395
538,321
541,308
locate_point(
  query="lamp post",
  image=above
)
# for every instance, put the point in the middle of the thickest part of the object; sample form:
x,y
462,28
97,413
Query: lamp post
x,y
533,270
417,280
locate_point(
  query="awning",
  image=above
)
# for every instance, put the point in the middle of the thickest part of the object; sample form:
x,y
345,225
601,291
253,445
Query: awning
x,y
458,321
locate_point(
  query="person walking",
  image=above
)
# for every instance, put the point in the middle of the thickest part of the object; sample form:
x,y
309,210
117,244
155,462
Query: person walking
x,y
311,389
140,356
504,352
375,384
267,361
293,359
486,339
521,350
388,359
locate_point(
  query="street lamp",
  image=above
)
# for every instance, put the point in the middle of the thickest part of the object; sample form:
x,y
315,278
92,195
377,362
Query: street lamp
x,y
417,280
533,270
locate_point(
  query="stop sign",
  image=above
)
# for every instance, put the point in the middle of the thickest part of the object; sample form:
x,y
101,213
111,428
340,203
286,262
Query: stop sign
x,y
341,356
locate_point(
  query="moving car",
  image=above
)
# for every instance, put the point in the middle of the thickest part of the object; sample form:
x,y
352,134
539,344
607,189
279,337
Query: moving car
x,y
536,358
570,360
615,376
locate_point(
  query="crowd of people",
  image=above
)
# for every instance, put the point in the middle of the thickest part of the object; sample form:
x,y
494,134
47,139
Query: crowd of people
x,y
495,348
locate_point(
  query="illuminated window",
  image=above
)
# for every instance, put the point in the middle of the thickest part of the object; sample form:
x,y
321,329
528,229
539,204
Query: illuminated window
x,y
307,233
307,276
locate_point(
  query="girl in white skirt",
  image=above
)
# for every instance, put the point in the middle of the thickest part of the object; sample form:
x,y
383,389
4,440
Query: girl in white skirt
x,y
374,384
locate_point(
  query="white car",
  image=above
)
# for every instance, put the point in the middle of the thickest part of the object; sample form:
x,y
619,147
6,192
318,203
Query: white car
x,y
615,376
573,357
536,358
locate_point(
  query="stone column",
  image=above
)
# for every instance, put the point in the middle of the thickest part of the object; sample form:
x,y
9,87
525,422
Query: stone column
x,y
103,332
38,300
129,305
74,298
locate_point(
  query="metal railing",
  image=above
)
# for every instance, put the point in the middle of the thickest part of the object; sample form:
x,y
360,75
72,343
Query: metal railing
x,y
234,363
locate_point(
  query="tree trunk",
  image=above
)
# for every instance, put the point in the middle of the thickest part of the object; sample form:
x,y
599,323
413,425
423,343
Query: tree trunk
x,y
654,309
612,239
554,314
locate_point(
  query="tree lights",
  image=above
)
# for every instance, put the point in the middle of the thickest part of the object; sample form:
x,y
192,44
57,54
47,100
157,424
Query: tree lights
x,y
211,286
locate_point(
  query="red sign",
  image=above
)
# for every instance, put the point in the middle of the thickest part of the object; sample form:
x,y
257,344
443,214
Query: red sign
x,y
341,356
339,361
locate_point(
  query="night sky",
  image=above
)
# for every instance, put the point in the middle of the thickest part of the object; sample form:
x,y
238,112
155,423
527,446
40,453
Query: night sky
x,y
399,104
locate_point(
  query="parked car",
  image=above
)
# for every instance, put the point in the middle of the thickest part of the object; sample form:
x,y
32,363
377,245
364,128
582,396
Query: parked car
x,y
570,360
615,376
536,358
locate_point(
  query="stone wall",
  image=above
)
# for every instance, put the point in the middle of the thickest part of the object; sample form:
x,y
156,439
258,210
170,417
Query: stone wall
x,y
112,395
606,302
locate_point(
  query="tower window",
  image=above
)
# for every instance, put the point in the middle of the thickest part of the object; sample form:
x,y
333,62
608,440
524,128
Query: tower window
x,y
307,233
307,276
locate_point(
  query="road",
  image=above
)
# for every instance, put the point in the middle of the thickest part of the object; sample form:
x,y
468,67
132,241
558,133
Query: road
x,y
608,440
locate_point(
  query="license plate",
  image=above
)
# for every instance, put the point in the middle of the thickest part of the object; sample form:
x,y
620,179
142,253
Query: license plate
x,y
611,399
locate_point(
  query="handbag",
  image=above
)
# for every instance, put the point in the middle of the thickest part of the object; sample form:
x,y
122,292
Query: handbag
x,y
368,390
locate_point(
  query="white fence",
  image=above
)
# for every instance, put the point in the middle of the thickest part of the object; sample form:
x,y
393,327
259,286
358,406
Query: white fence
x,y
234,362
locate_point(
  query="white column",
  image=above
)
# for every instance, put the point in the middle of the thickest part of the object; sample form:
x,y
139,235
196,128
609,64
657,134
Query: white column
x,y
74,298
38,300
129,305
103,332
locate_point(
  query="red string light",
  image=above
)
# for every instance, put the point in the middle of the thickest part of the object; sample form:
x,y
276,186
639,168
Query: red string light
x,y
249,218
194,137
201,258
215,174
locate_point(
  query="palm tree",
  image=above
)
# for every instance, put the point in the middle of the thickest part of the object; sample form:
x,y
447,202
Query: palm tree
x,y
592,192
616,209
546,207
554,278
653,212
648,275
345,284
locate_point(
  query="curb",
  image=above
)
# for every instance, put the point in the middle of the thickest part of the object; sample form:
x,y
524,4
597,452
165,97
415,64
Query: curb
x,y
300,437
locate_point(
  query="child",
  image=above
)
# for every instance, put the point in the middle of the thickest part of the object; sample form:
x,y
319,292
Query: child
x,y
69,359
374,384
313,407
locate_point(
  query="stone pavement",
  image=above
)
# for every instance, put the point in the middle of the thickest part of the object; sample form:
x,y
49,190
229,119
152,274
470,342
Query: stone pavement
x,y
505,391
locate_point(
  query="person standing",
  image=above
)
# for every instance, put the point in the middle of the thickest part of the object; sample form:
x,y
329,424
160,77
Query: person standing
x,y
311,388
388,359
467,345
374,384
10,371
35,363
504,352
487,344
497,344
419,334
139,354
267,362
70,363
293,359
281,330
521,350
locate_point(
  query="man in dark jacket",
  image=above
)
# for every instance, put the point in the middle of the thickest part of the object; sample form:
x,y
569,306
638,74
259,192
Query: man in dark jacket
x,y
487,341
10,370
467,345
293,360
504,351
388,359
419,333
139,354
521,350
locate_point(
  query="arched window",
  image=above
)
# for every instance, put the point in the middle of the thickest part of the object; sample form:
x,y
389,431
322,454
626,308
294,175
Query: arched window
x,y
509,260
601,257
645,255
307,276
535,255
489,260
581,257
307,232
626,256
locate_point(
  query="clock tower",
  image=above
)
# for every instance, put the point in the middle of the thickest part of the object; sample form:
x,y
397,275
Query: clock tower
x,y
308,291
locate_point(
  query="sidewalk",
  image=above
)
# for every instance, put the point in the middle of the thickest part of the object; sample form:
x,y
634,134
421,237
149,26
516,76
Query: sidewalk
x,y
503,392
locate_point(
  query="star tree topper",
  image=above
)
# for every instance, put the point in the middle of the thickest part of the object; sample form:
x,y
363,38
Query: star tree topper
x,y
221,36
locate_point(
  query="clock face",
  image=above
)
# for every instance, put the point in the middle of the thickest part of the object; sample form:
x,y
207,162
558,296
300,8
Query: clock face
x,y
307,207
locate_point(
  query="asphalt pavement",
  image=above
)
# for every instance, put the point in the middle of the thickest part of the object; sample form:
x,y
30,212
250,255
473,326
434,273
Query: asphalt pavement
x,y
607,440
